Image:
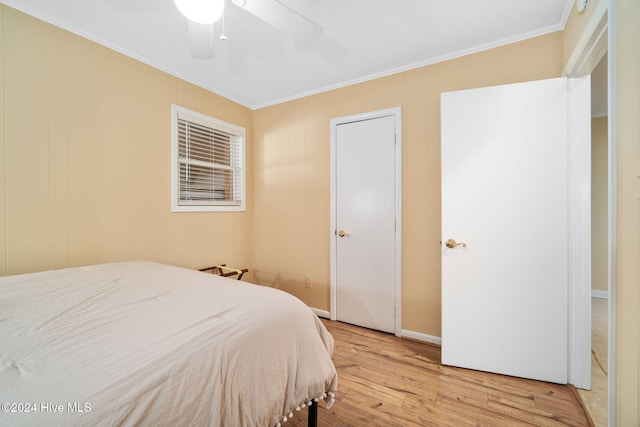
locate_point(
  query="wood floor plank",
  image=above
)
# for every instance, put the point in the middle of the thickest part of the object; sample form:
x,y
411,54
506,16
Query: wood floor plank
x,y
528,415
462,412
396,382
393,414
388,381
376,391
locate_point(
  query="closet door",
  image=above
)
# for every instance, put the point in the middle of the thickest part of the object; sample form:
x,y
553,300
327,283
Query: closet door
x,y
365,223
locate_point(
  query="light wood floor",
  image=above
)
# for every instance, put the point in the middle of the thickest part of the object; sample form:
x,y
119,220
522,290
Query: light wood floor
x,y
389,381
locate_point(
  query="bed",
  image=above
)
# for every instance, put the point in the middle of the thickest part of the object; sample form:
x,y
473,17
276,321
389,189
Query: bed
x,y
141,343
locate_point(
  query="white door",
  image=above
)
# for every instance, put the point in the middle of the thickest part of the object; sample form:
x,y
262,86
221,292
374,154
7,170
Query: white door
x,y
505,203
365,206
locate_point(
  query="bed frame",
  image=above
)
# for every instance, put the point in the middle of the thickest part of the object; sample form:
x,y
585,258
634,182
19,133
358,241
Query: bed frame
x,y
312,416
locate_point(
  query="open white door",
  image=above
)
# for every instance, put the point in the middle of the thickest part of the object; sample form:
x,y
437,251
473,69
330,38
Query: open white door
x,y
506,195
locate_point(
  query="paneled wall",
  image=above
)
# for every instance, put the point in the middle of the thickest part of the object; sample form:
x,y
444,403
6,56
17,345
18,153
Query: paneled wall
x,y
291,167
86,173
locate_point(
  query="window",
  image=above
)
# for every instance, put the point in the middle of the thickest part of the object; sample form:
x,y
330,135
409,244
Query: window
x,y
208,163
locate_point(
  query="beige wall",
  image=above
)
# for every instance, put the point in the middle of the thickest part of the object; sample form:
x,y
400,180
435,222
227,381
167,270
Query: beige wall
x,y
291,167
86,171
627,141
599,204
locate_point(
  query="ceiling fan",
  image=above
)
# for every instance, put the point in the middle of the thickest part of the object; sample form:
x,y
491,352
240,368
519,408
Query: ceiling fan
x,y
202,14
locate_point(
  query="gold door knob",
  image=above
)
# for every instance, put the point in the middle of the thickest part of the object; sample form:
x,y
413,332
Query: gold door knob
x,y
452,244
342,233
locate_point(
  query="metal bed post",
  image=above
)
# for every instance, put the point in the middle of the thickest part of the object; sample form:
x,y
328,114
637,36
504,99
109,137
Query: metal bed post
x,y
312,417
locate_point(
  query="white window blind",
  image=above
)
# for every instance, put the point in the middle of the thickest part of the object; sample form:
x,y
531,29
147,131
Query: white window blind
x,y
209,173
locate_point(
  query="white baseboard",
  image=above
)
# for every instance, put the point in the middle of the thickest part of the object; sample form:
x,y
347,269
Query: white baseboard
x,y
404,333
321,313
599,294
421,337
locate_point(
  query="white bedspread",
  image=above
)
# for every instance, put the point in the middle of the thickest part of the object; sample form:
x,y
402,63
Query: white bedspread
x,y
141,343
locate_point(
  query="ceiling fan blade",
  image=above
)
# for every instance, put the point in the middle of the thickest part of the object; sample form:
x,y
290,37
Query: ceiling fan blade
x,y
283,18
201,40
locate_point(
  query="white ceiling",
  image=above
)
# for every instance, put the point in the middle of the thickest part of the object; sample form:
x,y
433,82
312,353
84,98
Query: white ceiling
x,y
259,66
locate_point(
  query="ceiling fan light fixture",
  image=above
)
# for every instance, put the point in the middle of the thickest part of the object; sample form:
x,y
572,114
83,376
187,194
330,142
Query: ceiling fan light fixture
x,y
201,11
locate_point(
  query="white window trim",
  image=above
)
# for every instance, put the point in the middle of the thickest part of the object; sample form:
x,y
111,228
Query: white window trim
x,y
181,112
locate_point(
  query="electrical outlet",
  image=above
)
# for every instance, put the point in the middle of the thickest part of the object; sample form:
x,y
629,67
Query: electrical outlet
x,y
307,282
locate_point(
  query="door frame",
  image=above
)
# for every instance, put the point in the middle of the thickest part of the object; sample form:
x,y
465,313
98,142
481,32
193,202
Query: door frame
x,y
589,50
397,114
579,242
